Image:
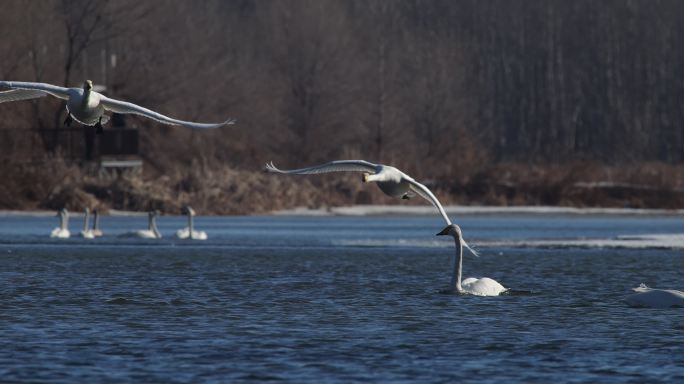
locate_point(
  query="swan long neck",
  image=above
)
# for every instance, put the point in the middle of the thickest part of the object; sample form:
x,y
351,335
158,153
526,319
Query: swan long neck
x,y
458,265
96,220
190,224
63,220
86,97
86,219
153,226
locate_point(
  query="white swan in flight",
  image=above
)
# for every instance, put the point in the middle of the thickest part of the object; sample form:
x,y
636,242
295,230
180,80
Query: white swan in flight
x,y
151,232
62,232
189,232
655,298
87,233
396,183
87,106
97,232
391,181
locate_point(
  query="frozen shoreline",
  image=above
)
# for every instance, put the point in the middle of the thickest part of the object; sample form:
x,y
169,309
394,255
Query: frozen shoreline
x,y
648,241
377,210
409,210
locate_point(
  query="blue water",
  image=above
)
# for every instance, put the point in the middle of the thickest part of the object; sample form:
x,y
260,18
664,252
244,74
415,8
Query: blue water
x,y
334,300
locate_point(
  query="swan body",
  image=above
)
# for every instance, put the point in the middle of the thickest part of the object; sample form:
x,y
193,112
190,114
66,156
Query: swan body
x,y
87,106
87,233
151,232
189,232
62,232
470,286
655,298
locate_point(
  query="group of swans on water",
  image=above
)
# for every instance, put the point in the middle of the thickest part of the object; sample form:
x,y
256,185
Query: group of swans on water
x,y
152,232
88,107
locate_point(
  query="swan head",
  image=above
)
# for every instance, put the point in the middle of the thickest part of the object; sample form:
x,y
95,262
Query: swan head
x,y
451,230
189,211
88,85
367,178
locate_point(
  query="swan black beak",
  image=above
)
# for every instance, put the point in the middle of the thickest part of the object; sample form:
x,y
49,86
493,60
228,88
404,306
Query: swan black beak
x,y
365,177
445,231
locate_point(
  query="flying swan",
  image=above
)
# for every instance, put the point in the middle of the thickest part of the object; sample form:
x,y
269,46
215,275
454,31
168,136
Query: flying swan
x,y
396,183
189,232
62,232
646,297
87,106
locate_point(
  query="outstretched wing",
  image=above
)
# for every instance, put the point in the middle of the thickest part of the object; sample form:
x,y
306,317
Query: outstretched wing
x,y
426,194
20,94
59,92
333,166
119,106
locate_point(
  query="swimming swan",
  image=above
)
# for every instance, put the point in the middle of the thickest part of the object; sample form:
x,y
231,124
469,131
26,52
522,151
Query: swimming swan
x,y
471,286
151,232
62,232
97,232
189,232
655,298
396,183
87,233
87,106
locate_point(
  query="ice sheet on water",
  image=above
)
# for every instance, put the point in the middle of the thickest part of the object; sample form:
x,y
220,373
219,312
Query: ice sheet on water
x,y
663,240
371,210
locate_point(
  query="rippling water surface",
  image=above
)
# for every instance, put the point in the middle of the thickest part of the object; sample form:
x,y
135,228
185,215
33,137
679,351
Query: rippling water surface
x,y
334,299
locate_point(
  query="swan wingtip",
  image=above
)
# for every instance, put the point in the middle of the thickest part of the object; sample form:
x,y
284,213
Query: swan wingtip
x,y
270,167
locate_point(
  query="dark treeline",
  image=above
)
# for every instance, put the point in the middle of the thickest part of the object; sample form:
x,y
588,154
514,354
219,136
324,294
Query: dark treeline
x,y
443,89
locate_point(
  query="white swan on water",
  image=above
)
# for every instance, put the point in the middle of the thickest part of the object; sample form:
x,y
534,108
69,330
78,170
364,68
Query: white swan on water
x,y
87,106
473,286
396,183
655,298
62,232
151,232
97,232
189,232
87,233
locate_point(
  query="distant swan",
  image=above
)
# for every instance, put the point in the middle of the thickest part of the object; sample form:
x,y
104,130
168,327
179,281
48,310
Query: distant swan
x,y
151,232
62,232
87,233
97,232
87,106
396,183
655,298
189,232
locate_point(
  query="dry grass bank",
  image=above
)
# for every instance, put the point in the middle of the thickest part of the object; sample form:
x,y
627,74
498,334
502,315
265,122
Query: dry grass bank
x,y
224,190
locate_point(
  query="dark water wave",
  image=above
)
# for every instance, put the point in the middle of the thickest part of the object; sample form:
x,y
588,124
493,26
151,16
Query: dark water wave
x,y
225,311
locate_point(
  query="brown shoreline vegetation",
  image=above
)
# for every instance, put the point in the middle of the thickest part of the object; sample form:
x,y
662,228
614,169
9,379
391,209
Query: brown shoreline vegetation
x,y
540,102
224,190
